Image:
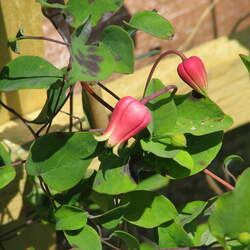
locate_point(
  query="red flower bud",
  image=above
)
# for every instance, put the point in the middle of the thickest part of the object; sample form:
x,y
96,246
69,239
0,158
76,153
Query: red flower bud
x,y
128,119
193,72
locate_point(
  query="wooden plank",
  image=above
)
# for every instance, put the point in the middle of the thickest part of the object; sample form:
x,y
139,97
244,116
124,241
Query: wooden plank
x,y
13,15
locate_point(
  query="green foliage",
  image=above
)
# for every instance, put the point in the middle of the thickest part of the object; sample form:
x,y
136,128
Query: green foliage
x,y
163,110
44,3
78,10
70,218
90,63
113,177
110,200
29,72
86,238
246,61
131,242
111,218
228,218
121,46
56,97
7,174
63,160
152,23
148,209
172,235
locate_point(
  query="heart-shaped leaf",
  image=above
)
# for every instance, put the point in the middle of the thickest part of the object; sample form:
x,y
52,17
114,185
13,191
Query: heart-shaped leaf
x,y
121,46
152,23
61,159
29,72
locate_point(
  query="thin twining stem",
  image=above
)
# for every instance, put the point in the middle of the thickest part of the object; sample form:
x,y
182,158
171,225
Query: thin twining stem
x,y
98,98
158,93
43,38
109,91
166,53
217,178
25,122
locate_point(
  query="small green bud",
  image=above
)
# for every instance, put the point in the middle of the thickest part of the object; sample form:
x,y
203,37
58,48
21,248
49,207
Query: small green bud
x,y
244,238
179,140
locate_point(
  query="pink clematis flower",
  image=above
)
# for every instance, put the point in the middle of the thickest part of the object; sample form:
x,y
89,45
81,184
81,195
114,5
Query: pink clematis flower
x,y
193,72
128,119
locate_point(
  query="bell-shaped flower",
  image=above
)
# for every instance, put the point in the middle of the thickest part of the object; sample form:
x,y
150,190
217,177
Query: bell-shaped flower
x,y
128,119
193,72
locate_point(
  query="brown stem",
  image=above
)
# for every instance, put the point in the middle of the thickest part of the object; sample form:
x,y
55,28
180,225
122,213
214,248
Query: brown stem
x,y
43,38
71,105
109,91
46,190
158,93
15,164
166,53
217,178
98,98
25,122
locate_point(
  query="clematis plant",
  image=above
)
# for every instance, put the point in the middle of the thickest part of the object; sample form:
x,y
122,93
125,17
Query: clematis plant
x,y
94,197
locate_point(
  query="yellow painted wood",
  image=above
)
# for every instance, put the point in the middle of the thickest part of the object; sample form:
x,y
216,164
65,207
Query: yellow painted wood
x,y
13,15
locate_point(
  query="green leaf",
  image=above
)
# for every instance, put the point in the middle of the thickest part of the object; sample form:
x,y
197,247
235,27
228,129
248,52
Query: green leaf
x,y
121,46
4,156
172,235
152,23
153,182
246,61
56,96
44,3
70,218
111,218
61,159
86,239
90,63
131,242
202,235
82,33
163,110
29,72
190,211
159,149
113,176
203,149
229,217
76,12
148,246
148,209
7,174
199,116
100,7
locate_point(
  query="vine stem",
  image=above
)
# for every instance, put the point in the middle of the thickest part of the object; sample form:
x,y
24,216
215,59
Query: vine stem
x,y
164,54
217,178
98,98
25,122
43,38
110,245
46,190
158,93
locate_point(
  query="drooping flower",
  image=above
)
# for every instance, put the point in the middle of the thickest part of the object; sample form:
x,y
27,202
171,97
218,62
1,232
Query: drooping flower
x,y
128,119
193,72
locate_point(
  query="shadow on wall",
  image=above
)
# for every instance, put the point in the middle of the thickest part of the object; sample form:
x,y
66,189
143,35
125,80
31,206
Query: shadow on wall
x,y
242,36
